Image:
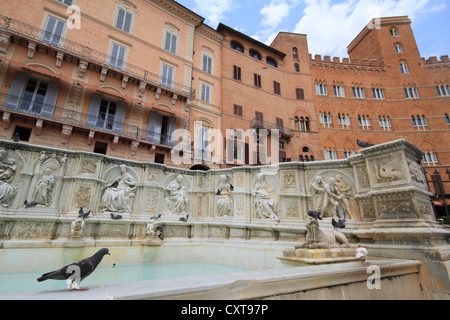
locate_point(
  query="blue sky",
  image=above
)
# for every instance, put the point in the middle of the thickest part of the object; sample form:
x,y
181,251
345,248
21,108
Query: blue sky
x,y
330,24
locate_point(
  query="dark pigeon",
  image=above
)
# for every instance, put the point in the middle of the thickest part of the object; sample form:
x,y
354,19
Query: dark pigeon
x,y
69,272
16,137
83,214
364,144
184,219
338,224
314,214
116,216
156,217
30,204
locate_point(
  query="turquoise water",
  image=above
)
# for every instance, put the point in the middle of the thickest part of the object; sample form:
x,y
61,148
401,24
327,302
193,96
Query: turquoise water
x,y
26,281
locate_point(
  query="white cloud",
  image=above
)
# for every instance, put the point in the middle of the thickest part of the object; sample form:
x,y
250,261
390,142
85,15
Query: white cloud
x,y
274,12
331,26
213,11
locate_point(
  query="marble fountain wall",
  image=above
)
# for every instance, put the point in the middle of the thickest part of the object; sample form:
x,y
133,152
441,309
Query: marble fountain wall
x,y
387,203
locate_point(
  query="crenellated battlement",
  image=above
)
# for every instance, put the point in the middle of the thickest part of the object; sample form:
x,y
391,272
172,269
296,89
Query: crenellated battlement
x,y
347,62
433,60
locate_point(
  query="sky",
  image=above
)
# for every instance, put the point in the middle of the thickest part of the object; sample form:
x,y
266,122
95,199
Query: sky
x,y
330,25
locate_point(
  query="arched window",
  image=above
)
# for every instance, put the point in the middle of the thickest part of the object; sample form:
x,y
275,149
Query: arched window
x,y
385,123
297,67
394,32
447,118
255,54
236,46
306,155
294,53
419,122
271,62
398,48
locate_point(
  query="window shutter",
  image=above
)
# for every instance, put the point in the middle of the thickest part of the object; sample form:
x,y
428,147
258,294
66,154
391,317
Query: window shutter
x,y
94,108
173,47
154,127
59,29
167,43
119,118
16,90
120,18
48,32
114,54
50,99
171,128
167,75
128,19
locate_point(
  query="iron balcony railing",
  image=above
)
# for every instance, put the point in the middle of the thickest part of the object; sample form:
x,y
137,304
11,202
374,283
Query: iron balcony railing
x,y
18,28
64,116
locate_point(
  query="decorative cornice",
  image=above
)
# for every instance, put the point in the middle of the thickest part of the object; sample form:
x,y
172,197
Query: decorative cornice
x,y
178,10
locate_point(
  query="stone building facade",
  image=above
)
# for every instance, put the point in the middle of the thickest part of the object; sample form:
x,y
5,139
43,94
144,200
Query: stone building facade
x,y
121,82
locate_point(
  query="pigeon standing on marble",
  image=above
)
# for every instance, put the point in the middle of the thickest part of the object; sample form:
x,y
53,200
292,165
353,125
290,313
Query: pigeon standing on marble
x,y
156,217
364,144
76,272
83,214
30,204
116,216
314,214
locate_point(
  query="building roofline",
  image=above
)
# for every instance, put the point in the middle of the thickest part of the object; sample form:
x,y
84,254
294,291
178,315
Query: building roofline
x,y
374,24
221,28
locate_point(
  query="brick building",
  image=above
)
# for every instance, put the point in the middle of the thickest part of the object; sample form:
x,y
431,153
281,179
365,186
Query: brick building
x,y
127,78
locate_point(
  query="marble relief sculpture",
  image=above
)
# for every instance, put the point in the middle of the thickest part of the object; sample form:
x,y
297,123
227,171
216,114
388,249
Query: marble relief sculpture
x,y
224,196
316,238
265,203
7,172
118,196
175,197
44,187
318,190
77,227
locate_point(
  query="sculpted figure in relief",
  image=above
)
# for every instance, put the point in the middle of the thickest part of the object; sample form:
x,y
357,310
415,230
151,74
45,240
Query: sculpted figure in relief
x,y
76,228
388,172
224,200
316,238
318,189
7,171
175,196
119,195
265,204
44,188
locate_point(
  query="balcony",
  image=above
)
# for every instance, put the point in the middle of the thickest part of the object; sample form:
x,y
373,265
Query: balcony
x,y
285,133
70,119
67,50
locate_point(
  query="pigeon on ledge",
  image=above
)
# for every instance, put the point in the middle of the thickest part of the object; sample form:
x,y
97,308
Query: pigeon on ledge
x,y
16,137
116,216
184,219
156,217
364,144
75,273
30,204
338,224
314,214
83,214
